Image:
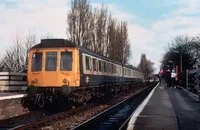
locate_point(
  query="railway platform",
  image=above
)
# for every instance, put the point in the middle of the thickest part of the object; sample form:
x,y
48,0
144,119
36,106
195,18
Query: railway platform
x,y
11,95
167,109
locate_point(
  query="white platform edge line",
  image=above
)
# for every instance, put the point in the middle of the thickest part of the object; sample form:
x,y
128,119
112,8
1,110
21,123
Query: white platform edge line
x,y
139,110
13,96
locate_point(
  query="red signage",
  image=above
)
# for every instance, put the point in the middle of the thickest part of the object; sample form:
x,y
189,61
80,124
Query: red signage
x,y
176,72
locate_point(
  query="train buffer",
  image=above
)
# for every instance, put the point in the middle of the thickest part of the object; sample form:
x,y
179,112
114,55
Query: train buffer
x,y
167,109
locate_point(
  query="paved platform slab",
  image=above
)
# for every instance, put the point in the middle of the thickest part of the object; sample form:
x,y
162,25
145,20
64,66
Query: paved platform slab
x,y
168,109
187,109
158,113
7,95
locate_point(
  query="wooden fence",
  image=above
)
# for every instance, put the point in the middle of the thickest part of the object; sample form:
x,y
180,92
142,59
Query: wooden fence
x,y
12,82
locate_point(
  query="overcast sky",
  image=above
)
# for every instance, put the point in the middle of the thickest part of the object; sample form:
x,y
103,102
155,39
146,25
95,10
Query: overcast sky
x,y
152,24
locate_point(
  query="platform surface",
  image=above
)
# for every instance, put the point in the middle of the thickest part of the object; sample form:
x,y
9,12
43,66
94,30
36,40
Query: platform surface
x,y
11,95
169,109
187,109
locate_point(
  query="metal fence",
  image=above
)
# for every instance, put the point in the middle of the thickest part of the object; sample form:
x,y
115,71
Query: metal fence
x,y
12,82
193,80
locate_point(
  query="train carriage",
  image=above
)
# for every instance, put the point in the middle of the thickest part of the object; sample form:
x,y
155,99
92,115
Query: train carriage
x,y
60,67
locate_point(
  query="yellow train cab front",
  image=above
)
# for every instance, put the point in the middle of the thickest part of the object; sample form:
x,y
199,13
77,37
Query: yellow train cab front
x,y
54,67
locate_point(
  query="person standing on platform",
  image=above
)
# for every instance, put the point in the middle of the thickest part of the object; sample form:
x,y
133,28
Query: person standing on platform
x,y
167,77
173,80
160,75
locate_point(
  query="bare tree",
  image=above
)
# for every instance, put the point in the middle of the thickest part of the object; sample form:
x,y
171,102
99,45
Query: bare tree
x,y
146,66
47,36
125,44
98,31
15,57
79,21
111,38
118,41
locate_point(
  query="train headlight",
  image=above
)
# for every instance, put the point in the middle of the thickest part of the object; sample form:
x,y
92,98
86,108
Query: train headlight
x,y
34,81
64,81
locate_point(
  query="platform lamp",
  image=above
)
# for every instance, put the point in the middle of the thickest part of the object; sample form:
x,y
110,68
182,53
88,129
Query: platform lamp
x,y
170,61
178,52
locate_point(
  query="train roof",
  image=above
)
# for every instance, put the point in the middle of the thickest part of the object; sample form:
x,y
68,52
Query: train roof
x,y
53,43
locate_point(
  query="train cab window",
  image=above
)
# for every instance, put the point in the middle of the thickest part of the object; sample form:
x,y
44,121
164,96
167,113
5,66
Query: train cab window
x,y
51,61
87,62
36,61
66,61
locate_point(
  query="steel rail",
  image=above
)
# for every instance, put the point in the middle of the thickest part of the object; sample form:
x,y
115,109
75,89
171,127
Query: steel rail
x,y
117,116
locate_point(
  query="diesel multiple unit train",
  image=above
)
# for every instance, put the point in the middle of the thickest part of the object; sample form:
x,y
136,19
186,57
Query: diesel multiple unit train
x,y
60,68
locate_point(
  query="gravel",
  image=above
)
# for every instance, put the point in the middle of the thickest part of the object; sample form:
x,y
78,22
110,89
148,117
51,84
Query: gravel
x,y
79,117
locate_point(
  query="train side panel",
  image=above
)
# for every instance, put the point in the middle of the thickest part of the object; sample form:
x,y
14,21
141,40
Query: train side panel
x,y
96,76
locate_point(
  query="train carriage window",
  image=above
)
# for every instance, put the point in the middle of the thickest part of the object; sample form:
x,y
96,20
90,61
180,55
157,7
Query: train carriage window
x,y
112,68
108,67
97,65
115,69
100,68
94,64
124,72
36,61
87,62
66,61
51,61
90,63
105,66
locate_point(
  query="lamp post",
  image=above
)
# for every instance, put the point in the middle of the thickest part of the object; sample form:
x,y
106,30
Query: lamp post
x,y
172,63
178,52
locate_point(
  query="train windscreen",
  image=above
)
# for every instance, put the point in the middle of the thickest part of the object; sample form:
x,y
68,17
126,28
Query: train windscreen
x,y
51,61
36,61
66,61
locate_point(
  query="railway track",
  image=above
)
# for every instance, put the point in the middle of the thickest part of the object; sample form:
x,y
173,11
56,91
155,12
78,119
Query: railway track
x,y
22,119
47,119
116,117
